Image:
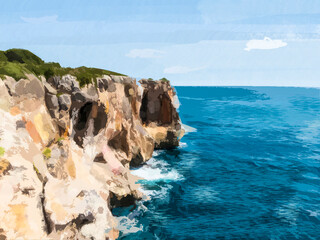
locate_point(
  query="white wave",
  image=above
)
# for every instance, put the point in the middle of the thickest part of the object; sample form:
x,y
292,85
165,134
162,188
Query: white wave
x,y
205,194
159,193
191,98
183,145
289,212
152,174
311,176
127,225
188,129
310,133
156,153
156,170
315,213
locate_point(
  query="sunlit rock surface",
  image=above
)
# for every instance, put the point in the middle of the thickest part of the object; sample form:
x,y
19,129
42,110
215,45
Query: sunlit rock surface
x,y
66,151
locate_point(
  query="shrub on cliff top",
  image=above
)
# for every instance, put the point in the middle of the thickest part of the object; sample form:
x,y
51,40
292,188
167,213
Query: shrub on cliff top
x,y
15,70
18,62
22,56
164,80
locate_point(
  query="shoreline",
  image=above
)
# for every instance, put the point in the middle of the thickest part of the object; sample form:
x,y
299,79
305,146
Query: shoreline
x,y
74,147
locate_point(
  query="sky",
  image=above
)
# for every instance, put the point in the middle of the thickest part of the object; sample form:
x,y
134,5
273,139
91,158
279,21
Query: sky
x,y
190,42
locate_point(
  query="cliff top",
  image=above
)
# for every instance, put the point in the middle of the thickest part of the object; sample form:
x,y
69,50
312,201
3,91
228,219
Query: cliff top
x,y
18,62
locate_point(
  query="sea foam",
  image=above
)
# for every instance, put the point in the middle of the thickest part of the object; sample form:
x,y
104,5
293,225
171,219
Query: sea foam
x,y
156,170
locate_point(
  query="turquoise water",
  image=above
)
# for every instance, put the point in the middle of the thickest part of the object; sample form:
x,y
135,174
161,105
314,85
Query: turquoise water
x,y
250,170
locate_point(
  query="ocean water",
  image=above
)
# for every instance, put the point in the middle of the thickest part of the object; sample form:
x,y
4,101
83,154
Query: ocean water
x,y
249,168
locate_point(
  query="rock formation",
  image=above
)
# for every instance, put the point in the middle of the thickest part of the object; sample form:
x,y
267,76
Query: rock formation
x,y
66,151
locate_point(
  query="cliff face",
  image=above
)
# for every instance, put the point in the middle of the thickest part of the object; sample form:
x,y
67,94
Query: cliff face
x,y
159,114
66,151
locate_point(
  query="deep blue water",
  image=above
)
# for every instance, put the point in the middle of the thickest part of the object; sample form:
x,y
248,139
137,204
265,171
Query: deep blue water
x,y
250,171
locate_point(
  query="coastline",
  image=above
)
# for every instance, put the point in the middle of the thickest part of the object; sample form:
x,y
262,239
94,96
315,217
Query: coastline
x,y
68,151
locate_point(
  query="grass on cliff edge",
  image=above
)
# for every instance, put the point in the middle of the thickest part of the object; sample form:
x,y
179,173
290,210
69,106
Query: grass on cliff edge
x,y
18,62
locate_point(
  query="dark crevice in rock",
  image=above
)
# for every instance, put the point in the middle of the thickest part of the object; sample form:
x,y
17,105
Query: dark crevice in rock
x,y
78,222
9,90
126,201
102,84
89,111
83,116
144,108
82,220
49,225
99,158
136,160
127,88
100,118
81,124
27,191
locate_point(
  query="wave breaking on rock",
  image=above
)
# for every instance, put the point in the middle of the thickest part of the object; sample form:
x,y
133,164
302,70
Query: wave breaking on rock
x,y
66,151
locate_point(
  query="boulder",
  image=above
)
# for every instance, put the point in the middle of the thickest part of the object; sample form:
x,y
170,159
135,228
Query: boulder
x,y
52,104
64,84
64,102
30,88
10,84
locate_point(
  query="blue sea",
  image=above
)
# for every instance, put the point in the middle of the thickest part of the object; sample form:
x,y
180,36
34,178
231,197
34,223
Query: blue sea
x,y
248,168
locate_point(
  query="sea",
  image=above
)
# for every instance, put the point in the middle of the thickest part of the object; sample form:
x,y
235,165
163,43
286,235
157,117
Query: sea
x,y
247,168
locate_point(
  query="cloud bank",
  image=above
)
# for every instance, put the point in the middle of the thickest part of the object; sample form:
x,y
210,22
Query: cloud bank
x,y
265,44
145,53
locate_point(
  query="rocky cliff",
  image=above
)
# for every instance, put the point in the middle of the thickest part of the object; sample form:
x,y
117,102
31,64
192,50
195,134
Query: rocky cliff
x,y
66,151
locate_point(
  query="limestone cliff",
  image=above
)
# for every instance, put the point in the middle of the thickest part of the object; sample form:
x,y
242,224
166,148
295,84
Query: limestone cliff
x,y
66,151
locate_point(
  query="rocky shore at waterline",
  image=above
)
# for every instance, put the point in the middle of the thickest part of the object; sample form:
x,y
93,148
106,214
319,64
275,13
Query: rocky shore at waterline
x,y
66,151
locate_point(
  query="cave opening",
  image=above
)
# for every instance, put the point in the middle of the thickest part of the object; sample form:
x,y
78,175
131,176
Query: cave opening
x,y
83,116
144,108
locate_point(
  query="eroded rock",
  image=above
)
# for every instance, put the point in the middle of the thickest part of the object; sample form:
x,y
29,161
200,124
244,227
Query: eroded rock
x,y
158,111
69,151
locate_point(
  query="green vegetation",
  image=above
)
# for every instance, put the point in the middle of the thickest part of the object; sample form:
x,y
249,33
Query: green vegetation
x,y
18,62
12,69
164,80
2,151
36,169
47,153
60,141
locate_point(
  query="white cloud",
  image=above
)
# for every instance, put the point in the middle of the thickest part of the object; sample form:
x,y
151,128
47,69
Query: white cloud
x,y
45,19
266,43
181,69
145,53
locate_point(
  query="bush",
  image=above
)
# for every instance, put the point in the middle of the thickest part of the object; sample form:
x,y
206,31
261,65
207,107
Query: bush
x,y
48,73
164,80
2,151
47,153
17,62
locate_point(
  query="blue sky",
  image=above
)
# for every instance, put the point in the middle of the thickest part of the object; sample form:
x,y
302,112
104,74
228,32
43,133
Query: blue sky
x,y
190,42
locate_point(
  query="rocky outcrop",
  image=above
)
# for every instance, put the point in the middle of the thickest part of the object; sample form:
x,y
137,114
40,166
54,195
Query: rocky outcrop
x,y
67,151
159,114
